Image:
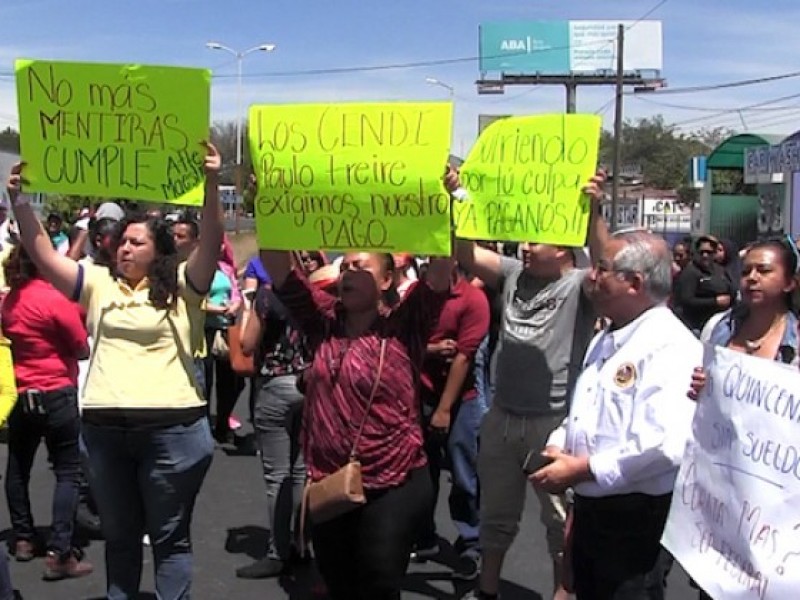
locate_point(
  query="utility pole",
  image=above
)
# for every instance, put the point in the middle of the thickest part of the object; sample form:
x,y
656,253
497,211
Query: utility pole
x,y
572,97
618,127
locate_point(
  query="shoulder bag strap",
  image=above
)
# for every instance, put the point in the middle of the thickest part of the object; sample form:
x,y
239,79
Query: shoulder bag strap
x,y
371,398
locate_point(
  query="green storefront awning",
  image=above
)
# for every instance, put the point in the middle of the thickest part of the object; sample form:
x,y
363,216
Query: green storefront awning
x,y
730,153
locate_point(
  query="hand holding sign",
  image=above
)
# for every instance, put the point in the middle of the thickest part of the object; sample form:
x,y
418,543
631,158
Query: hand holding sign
x,y
526,176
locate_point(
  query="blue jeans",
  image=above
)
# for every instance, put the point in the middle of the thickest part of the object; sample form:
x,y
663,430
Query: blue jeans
x,y
146,481
6,588
277,419
60,427
459,450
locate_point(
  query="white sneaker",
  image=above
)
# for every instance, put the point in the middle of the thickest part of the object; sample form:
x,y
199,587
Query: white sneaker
x,y
146,540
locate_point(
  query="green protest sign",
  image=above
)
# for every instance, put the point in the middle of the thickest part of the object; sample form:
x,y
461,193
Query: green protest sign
x,y
524,178
360,176
113,130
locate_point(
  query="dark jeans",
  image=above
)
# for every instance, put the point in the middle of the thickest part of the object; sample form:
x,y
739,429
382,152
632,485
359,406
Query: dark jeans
x,y
483,381
6,588
278,418
146,481
363,555
226,383
458,452
616,553
60,427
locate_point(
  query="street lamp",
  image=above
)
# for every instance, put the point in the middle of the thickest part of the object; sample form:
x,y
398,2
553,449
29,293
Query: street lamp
x,y
451,90
434,81
239,58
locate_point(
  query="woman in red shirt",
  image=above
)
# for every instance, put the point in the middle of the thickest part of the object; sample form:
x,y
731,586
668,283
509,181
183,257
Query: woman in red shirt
x,y
364,553
47,340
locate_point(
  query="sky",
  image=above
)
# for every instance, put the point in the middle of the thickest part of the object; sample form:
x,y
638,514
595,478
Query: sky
x,y
339,51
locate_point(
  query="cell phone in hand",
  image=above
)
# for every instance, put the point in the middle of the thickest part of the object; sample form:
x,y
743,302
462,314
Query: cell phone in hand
x,y
535,460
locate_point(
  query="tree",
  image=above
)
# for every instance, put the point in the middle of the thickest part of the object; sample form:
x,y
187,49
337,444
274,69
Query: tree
x,y
9,140
223,136
711,137
658,147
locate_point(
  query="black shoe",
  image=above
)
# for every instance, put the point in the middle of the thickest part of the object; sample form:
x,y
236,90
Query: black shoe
x,y
262,569
422,553
245,444
467,568
224,438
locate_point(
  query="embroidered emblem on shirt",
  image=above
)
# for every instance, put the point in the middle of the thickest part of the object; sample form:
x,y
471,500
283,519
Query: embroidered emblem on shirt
x,y
625,376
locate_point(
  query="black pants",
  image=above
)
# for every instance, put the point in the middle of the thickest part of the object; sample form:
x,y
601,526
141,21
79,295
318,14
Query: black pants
x,y
60,427
363,555
617,553
226,383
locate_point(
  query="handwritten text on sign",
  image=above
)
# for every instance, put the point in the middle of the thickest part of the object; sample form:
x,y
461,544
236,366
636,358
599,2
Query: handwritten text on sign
x,y
734,524
524,177
352,176
128,131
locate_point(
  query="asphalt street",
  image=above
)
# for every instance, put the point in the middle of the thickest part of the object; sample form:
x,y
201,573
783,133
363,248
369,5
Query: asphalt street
x,y
229,532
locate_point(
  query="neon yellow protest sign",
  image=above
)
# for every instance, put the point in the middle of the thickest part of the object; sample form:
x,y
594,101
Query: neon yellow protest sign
x,y
524,178
113,130
359,176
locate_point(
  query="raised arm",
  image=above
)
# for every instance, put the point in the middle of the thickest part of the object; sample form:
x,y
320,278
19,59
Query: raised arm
x,y
477,261
59,270
480,262
598,228
277,263
202,262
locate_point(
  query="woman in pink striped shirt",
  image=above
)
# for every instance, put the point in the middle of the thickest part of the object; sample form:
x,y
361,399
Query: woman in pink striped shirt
x,y
364,554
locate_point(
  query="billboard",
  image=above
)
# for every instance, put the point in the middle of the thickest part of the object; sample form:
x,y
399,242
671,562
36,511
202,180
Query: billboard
x,y
563,47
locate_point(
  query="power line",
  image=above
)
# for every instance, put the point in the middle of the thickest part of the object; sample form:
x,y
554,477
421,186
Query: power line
x,y
732,120
645,15
736,110
713,109
722,86
605,107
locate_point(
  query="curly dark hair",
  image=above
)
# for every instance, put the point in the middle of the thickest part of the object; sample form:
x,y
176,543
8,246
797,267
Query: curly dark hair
x,y
163,272
19,268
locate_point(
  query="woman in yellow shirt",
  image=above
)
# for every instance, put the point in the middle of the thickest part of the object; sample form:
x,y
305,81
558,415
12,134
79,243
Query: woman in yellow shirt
x,y
146,442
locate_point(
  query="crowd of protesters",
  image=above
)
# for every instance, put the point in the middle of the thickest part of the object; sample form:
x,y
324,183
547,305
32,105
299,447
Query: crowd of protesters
x,y
507,364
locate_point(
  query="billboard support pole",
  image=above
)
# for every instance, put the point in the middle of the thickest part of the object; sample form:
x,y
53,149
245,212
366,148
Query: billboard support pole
x,y
618,126
572,97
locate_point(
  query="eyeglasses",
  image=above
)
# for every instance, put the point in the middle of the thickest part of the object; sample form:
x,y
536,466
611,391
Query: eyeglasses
x,y
706,252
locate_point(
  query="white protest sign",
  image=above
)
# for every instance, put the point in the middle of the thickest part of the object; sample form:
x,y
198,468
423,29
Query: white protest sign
x,y
734,523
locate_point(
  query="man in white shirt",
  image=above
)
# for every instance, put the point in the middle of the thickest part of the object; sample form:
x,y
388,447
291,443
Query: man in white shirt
x,y
622,443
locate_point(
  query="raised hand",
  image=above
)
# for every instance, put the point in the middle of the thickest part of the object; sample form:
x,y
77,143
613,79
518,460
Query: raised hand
x,y
594,189
213,160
